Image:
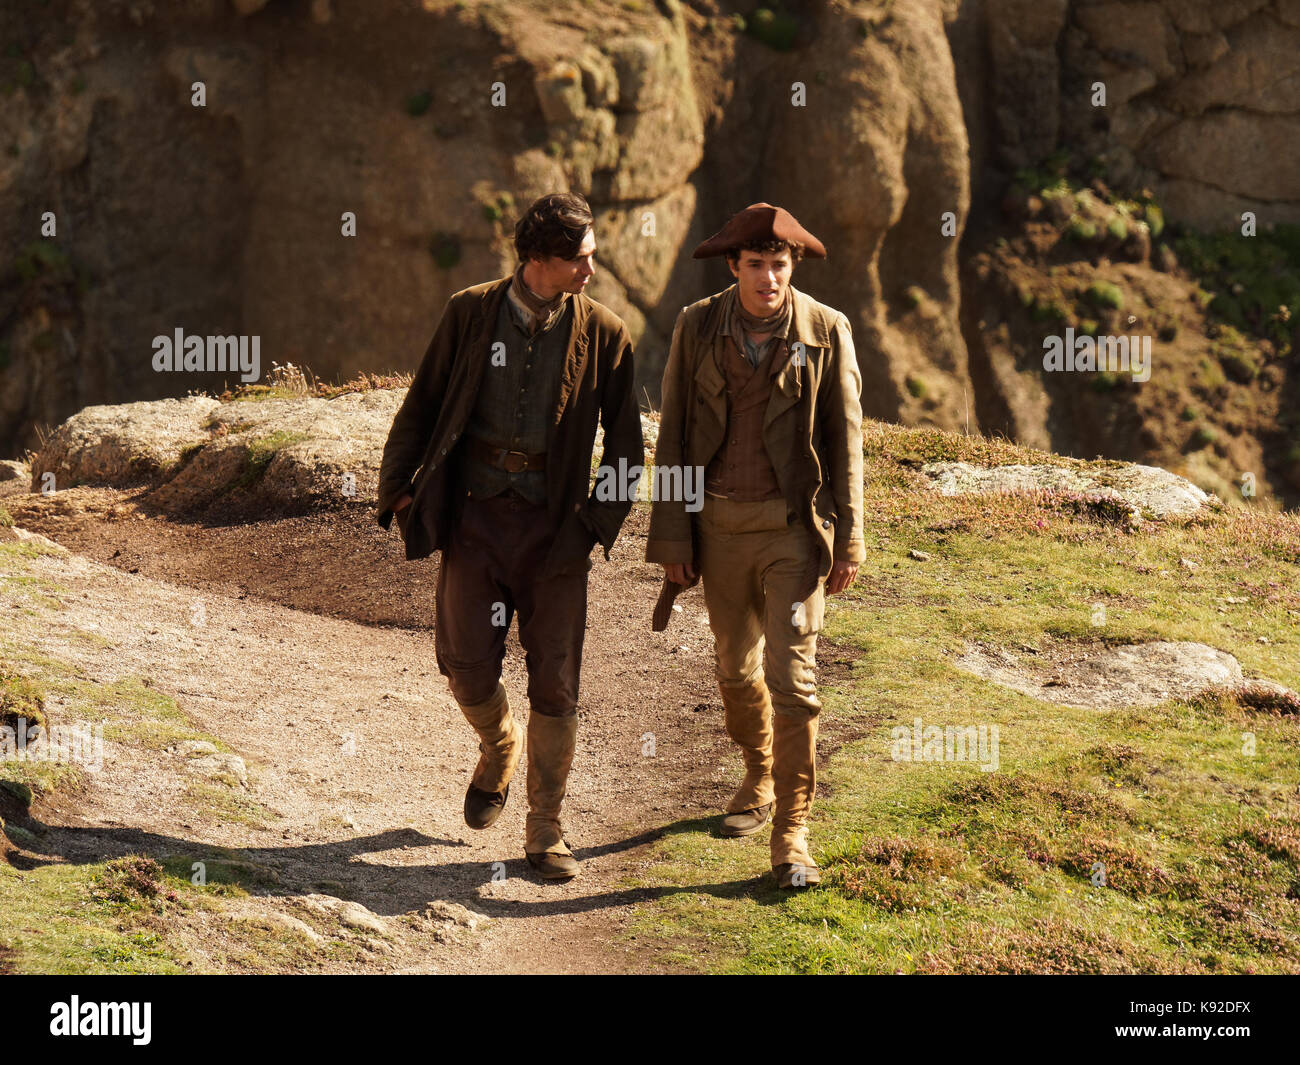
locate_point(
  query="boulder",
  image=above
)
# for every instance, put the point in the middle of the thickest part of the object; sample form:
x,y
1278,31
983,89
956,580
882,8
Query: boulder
x,y
1148,490
1145,674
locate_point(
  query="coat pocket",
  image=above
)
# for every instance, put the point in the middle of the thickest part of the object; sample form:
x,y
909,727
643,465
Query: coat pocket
x,y
708,377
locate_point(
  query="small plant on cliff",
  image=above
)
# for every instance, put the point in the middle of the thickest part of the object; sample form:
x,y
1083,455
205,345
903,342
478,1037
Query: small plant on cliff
x,y
1081,229
445,248
418,103
1251,282
776,29
43,258
1104,294
1237,355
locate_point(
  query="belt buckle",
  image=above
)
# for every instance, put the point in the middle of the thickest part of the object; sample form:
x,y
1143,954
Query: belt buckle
x,y
514,465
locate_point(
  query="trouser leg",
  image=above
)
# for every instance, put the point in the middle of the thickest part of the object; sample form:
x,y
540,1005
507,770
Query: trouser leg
x,y
790,639
552,626
748,717
472,615
733,597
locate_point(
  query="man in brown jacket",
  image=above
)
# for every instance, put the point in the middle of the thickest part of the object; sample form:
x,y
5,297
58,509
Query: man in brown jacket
x,y
489,460
761,391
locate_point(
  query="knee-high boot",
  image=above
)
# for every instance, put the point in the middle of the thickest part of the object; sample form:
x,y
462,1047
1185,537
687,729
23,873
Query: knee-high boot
x,y
551,741
794,774
748,717
500,748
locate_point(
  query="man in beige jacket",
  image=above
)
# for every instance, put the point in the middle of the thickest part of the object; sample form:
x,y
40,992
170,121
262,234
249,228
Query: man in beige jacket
x,y
761,393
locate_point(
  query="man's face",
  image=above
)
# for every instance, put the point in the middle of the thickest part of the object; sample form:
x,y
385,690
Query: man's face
x,y
763,277
555,274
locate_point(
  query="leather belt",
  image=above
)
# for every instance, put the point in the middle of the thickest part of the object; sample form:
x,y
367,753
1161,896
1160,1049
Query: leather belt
x,y
505,459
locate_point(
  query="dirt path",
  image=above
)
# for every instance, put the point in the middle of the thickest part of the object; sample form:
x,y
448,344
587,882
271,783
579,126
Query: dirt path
x,y
283,639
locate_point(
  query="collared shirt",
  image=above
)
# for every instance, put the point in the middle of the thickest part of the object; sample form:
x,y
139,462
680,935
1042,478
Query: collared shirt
x,y
732,325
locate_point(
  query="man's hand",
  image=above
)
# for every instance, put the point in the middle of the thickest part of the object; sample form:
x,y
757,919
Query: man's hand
x,y
842,575
399,511
679,572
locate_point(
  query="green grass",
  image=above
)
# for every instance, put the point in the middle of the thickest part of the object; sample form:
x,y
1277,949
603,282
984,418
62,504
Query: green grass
x,y
939,867
261,451
129,710
21,589
136,713
85,919
1249,278
221,803
135,914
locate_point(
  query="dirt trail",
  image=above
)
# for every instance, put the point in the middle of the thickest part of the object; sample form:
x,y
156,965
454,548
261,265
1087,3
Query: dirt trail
x,y
284,638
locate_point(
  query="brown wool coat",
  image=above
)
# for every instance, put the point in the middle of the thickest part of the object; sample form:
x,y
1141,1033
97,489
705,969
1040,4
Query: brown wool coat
x,y
812,429
596,384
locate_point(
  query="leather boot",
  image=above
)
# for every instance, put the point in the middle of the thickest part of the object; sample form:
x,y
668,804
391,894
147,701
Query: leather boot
x,y
500,748
748,717
794,774
551,741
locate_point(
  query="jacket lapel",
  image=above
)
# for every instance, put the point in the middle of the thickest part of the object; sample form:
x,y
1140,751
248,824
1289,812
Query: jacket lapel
x,y
575,355
787,387
710,383
806,332
806,329
478,346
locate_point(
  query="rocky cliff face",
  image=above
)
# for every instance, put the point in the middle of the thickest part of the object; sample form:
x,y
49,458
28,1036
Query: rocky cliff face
x,y
434,123
1202,100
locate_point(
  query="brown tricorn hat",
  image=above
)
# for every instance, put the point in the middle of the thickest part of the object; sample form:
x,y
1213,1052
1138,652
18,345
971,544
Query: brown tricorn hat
x,y
760,221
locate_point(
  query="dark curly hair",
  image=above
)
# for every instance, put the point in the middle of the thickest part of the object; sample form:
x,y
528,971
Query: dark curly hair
x,y
794,247
554,225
